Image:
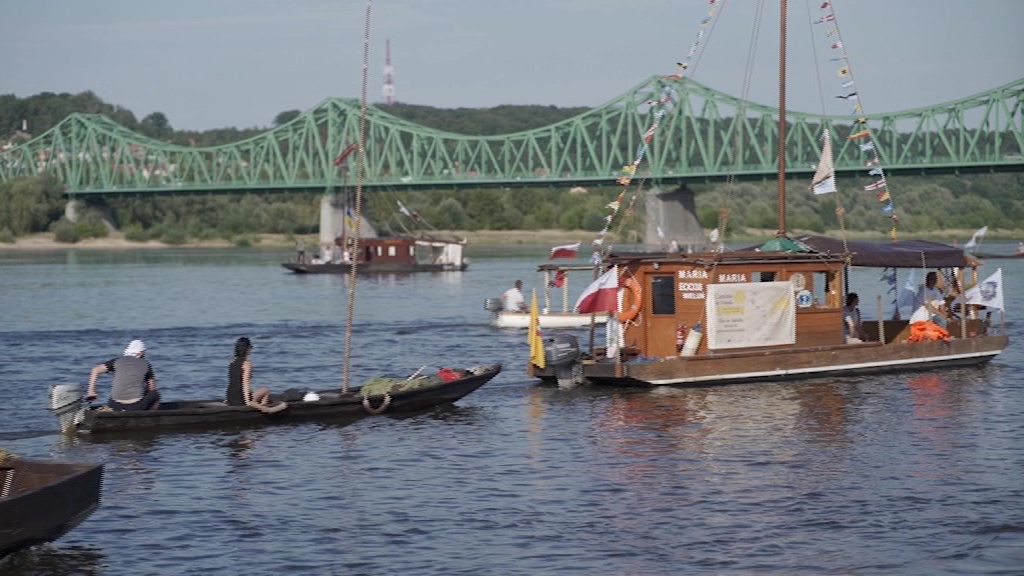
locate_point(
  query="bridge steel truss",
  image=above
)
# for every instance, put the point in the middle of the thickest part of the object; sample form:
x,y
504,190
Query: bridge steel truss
x,y
704,136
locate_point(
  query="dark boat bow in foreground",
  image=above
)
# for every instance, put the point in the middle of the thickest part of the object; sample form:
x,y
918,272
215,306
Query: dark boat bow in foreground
x,y
40,501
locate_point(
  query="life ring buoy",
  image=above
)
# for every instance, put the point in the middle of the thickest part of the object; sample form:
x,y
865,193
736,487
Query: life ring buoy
x,y
631,311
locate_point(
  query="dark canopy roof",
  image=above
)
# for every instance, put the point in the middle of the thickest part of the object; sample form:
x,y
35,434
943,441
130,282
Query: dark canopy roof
x,y
902,254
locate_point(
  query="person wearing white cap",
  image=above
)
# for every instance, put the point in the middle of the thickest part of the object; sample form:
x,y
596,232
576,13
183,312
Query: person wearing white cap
x,y
134,386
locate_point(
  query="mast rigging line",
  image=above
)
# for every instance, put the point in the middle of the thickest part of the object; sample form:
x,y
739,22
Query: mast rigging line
x,y
360,178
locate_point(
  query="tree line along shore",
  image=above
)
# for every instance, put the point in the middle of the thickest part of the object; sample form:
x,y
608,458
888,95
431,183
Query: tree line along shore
x,y
941,207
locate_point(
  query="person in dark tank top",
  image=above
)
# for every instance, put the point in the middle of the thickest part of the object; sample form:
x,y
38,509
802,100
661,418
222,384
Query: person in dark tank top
x,y
239,391
134,386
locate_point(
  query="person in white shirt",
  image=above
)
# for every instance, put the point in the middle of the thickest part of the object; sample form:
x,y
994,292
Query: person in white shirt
x,y
930,302
512,300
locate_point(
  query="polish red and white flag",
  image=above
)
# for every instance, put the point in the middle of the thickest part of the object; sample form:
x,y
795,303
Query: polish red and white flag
x,y
601,295
567,251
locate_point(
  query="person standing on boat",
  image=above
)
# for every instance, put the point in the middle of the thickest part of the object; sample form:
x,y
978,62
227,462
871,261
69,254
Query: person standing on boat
x,y
239,392
853,330
512,300
1020,249
134,386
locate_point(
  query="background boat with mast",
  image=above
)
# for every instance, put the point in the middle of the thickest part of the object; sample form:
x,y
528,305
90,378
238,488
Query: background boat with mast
x,y
409,251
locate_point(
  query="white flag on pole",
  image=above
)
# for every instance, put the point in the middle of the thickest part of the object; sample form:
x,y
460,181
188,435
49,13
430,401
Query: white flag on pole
x,y
988,293
824,180
977,235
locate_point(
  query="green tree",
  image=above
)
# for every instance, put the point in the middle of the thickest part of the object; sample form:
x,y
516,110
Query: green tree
x,y
156,125
286,117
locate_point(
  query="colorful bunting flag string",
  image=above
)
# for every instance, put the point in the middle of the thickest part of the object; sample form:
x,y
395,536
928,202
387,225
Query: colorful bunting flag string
x,y
660,108
860,132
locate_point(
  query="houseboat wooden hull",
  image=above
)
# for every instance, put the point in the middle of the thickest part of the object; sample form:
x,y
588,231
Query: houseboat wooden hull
x,y
40,501
786,364
373,268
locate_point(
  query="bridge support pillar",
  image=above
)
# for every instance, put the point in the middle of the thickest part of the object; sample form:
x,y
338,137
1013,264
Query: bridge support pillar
x,y
71,209
674,213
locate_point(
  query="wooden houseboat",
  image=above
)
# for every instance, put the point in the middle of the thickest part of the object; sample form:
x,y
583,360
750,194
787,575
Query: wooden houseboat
x,y
754,315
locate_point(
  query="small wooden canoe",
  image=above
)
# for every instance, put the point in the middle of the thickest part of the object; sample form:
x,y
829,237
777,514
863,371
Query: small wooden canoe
x,y
41,500
395,395
991,255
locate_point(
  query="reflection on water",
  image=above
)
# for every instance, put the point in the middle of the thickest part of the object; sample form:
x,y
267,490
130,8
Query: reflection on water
x,y
53,560
823,409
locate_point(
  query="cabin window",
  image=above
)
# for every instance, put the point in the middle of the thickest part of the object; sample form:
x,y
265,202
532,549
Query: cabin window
x,y
830,292
766,277
663,295
412,250
379,251
392,252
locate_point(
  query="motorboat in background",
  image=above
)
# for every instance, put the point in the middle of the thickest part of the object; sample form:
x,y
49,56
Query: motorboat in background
x,y
555,279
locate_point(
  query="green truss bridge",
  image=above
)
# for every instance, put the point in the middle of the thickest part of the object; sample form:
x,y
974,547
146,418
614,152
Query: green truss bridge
x,y
695,142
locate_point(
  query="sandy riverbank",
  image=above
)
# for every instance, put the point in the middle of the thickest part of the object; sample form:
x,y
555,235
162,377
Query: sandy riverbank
x,y
485,238
116,241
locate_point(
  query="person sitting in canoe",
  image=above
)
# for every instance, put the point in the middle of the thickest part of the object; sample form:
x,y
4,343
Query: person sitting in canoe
x,y
134,386
239,392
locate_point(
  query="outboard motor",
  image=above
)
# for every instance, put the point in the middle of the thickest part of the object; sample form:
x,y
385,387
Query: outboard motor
x,y
492,304
68,405
562,353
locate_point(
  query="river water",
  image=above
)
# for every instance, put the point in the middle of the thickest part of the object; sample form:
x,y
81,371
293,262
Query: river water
x,y
901,474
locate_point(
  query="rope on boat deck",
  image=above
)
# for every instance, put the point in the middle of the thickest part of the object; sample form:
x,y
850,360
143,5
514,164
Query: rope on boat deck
x,y
380,409
6,475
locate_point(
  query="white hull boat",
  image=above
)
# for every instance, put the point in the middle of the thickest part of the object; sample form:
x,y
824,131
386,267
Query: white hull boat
x,y
504,319
554,279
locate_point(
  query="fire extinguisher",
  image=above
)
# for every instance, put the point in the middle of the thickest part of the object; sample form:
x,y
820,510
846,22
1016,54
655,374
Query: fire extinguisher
x,y
680,337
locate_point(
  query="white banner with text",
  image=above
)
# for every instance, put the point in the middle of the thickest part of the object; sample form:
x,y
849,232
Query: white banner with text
x,y
750,314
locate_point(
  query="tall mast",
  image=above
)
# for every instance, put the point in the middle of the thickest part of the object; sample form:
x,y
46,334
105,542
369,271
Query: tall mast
x,y
782,121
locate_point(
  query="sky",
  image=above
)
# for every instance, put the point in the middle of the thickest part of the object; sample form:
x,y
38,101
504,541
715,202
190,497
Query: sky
x,y
238,63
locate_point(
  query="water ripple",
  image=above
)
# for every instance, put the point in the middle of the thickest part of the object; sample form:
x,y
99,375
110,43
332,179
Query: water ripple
x,y
900,474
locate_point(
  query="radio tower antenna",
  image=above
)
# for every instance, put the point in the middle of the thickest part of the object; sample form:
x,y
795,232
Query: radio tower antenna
x,y
389,81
